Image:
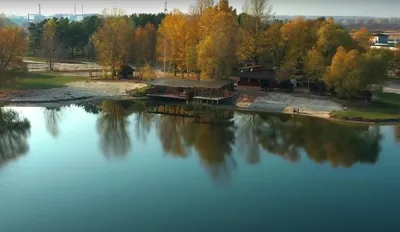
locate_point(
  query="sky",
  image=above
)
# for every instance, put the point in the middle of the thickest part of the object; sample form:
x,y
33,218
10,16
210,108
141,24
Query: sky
x,y
381,8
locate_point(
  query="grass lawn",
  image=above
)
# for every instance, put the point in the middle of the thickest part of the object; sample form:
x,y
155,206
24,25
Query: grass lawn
x,y
386,107
37,80
34,58
65,60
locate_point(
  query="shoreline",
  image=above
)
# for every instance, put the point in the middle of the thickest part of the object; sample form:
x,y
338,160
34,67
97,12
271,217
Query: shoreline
x,y
245,100
81,100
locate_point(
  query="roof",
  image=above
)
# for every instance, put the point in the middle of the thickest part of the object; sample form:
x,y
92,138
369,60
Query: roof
x,y
249,67
184,83
379,34
265,74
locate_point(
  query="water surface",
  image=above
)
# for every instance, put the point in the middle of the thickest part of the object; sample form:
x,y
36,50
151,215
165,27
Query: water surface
x,y
118,166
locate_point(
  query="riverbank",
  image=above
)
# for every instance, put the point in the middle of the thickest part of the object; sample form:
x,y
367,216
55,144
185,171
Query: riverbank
x,y
246,100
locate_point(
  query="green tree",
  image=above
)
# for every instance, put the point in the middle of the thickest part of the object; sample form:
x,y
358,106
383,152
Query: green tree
x,y
51,44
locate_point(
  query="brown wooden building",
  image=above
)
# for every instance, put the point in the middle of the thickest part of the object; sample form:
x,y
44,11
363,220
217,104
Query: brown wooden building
x,y
204,91
255,75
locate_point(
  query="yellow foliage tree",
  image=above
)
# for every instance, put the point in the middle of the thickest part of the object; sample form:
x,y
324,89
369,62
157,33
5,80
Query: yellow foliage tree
x,y
337,69
13,44
315,64
218,47
175,40
362,37
113,40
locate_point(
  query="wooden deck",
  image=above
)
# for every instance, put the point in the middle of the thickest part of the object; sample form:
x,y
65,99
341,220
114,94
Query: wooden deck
x,y
171,96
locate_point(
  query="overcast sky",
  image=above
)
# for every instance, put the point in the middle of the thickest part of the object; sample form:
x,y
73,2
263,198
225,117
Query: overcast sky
x,y
381,8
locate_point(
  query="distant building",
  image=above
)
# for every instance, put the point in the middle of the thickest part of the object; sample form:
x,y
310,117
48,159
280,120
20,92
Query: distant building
x,y
379,38
381,41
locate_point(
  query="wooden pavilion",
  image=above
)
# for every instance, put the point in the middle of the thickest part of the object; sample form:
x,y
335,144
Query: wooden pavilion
x,y
204,91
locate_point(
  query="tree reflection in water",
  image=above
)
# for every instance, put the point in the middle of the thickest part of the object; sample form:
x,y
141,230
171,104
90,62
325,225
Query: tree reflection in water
x,y
14,134
209,133
397,133
323,141
52,120
112,128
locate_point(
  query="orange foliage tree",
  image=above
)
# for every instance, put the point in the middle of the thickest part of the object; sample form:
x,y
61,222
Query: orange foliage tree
x,y
13,43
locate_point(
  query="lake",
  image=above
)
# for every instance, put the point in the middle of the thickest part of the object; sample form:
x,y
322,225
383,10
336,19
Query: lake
x,y
131,166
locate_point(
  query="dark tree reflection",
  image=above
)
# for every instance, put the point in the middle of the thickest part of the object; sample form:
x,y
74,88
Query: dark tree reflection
x,y
208,131
169,132
322,140
112,128
91,108
143,120
397,133
14,134
52,117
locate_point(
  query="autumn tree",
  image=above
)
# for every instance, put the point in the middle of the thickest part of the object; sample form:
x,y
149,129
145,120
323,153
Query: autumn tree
x,y
354,71
330,36
295,34
254,22
362,37
200,6
113,40
145,45
315,65
13,44
337,69
276,46
174,40
217,49
50,44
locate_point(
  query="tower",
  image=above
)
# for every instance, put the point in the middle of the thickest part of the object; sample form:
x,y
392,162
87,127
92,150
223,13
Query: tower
x,y
40,10
82,9
165,42
75,9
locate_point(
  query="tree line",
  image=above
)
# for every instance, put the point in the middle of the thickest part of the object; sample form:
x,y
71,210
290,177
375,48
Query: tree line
x,y
213,39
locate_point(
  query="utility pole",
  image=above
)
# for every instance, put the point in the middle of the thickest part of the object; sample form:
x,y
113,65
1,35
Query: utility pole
x,y
165,41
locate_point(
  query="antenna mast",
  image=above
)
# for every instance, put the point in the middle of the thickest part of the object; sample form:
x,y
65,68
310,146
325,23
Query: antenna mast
x,y
165,41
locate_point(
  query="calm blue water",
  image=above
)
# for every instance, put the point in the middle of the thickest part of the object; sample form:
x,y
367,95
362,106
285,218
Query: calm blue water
x,y
113,167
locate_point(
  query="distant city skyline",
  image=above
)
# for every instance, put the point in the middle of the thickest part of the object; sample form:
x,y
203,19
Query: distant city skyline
x,y
383,8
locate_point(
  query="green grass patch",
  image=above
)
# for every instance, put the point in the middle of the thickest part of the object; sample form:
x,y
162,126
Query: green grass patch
x,y
386,107
37,80
34,58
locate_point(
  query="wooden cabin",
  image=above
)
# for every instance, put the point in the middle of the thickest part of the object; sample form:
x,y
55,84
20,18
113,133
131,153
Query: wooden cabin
x,y
258,76
126,72
204,91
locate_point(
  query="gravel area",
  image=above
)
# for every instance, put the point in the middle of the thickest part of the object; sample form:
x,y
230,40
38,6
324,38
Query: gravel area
x,y
284,103
75,90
